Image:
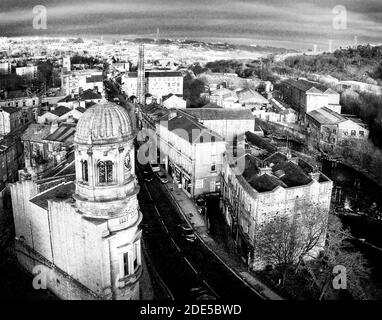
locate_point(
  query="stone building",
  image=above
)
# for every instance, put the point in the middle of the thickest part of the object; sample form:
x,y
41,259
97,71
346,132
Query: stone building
x,y
258,186
79,229
157,83
305,96
77,80
189,151
10,120
329,128
228,123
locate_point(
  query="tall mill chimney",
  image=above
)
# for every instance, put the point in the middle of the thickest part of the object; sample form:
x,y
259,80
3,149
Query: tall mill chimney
x,y
141,88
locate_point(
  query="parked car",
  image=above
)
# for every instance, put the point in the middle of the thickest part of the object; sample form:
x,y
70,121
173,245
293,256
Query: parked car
x,y
162,177
187,232
148,176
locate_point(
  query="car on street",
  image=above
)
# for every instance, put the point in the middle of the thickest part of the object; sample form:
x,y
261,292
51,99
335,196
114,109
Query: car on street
x,y
187,232
147,176
162,177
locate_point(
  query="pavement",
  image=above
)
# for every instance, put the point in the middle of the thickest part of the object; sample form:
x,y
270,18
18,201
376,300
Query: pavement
x,y
145,283
190,212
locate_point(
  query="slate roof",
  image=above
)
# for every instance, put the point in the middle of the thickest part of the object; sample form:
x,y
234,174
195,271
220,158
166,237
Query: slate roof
x,y
62,134
212,105
60,111
10,110
94,78
255,140
195,131
155,74
249,94
265,183
154,111
90,95
283,172
86,95
326,116
36,132
220,114
306,85
294,174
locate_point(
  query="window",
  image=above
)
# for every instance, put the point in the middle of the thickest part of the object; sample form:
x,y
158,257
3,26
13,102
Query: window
x,y
212,138
353,133
213,163
84,164
126,264
135,257
361,133
105,171
345,132
235,146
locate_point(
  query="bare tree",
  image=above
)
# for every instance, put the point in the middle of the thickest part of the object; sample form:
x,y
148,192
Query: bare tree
x,y
339,252
286,241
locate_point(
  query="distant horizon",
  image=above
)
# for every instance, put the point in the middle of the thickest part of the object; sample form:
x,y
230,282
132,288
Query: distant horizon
x,y
294,24
232,41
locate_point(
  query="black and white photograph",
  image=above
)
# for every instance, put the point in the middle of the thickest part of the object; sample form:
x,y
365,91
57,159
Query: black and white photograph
x,y
196,158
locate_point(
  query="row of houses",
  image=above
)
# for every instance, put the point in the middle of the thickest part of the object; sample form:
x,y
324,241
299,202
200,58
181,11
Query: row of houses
x,y
189,143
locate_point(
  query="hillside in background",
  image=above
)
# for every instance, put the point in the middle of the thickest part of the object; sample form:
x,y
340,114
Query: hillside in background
x,y
363,63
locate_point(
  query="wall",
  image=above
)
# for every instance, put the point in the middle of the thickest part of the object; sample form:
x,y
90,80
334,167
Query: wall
x,y
316,101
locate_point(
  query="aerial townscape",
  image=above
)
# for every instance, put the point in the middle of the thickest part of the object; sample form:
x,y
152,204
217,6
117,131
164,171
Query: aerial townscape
x,y
179,168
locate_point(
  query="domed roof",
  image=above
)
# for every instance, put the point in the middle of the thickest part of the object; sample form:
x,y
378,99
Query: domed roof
x,y
104,123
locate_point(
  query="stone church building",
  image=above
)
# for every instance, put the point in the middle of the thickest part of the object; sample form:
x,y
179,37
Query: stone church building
x,y
80,230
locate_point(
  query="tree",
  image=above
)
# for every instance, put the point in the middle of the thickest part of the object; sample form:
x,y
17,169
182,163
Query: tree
x,y
285,241
339,252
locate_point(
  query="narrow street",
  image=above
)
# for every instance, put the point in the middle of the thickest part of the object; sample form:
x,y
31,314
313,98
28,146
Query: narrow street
x,y
181,264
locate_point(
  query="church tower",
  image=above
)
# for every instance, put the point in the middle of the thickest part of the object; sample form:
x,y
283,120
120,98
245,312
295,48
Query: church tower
x,y
106,190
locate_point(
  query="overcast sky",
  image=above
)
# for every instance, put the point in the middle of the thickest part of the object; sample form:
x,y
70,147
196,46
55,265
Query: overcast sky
x,y
287,23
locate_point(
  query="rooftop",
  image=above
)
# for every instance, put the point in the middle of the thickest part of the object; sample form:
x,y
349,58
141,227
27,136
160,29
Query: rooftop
x,y
36,132
64,133
156,74
10,110
249,94
196,133
104,123
326,116
61,192
219,113
306,85
60,111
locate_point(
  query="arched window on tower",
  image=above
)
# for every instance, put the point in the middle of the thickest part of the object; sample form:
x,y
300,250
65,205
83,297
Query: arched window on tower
x,y
84,165
105,171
